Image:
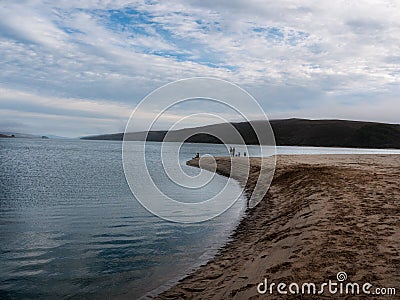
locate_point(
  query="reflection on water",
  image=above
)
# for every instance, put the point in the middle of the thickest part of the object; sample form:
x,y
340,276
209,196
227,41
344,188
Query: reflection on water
x,y
70,227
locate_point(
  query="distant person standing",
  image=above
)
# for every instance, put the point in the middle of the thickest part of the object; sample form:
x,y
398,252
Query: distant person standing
x,y
233,151
244,153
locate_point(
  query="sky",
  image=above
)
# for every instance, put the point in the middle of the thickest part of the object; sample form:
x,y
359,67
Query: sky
x,y
75,68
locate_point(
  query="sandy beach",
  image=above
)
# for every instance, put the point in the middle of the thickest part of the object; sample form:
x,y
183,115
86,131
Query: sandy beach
x,y
323,214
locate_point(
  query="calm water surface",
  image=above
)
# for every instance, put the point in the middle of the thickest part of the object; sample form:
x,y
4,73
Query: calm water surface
x,y
70,227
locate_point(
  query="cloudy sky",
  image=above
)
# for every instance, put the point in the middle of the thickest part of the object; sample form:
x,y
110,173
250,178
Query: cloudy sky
x,y
75,68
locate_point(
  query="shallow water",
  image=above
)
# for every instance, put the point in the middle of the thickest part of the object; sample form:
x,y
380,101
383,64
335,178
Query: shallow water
x,y
70,227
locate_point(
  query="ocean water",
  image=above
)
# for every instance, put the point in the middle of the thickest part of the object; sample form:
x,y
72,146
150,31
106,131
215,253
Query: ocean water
x,y
71,228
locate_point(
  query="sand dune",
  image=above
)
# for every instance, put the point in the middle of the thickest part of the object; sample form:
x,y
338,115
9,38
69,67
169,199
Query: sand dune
x,y
322,214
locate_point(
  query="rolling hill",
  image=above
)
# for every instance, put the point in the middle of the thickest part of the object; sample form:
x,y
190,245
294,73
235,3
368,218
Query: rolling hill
x,y
288,132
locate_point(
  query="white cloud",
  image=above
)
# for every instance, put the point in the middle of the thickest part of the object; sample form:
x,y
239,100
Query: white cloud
x,y
87,107
292,55
86,116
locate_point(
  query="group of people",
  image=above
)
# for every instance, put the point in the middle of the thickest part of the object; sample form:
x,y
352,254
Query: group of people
x,y
232,151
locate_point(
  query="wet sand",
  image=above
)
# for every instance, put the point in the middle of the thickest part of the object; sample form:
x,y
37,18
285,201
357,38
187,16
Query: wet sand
x,y
322,214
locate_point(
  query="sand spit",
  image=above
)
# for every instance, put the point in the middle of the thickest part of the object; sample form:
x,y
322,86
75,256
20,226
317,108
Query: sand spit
x,y
323,214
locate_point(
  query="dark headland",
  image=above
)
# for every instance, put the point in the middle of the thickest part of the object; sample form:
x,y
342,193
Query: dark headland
x,y
288,132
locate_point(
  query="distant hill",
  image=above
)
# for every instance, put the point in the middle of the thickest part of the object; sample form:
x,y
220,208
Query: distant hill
x,y
30,136
18,135
288,132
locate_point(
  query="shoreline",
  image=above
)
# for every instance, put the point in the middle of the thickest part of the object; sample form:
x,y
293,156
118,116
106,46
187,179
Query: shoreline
x,y
207,256
323,214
